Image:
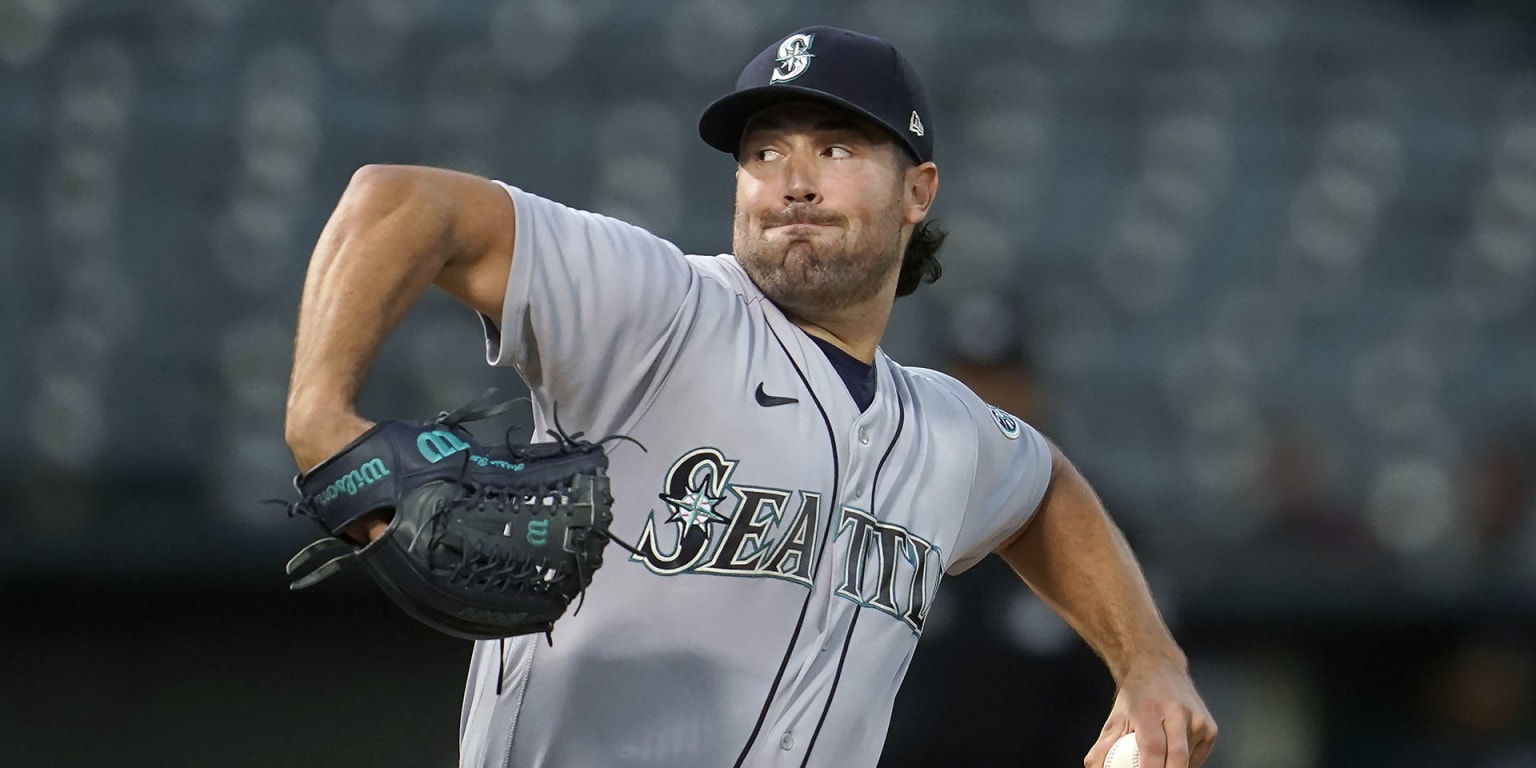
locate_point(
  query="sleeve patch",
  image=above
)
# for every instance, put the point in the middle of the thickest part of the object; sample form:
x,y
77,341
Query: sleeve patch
x,y
1006,422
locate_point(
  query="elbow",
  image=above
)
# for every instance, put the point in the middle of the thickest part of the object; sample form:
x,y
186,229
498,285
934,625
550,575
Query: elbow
x,y
393,195
374,175
375,187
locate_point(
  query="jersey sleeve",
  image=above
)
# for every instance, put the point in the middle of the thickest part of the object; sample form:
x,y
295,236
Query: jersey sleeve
x,y
1013,468
589,316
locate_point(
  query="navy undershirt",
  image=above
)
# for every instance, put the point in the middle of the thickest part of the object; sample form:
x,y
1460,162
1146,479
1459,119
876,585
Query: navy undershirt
x,y
858,375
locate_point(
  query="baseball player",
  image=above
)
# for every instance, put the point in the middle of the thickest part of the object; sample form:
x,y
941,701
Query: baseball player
x,y
801,496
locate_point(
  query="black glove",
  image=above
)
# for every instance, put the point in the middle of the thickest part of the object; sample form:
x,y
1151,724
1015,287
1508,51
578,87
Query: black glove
x,y
485,542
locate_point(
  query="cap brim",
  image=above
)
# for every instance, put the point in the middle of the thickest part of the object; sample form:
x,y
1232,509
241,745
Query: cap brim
x,y
722,122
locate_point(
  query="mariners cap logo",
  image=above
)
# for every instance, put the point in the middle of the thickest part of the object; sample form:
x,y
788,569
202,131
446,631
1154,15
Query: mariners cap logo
x,y
794,58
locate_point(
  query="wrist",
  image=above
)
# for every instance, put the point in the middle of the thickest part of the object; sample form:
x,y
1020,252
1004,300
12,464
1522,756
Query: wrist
x,y
315,433
1161,658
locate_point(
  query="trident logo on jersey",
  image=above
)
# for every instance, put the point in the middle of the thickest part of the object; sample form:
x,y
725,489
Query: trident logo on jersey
x,y
697,485
777,533
794,58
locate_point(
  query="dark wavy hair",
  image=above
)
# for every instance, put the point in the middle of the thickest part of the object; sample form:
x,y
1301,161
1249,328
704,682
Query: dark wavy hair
x,y
920,264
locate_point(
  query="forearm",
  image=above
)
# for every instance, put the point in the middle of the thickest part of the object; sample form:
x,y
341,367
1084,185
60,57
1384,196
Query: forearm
x,y
1075,558
381,249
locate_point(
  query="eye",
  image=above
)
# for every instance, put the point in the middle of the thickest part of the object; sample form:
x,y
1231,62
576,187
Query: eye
x,y
837,152
766,154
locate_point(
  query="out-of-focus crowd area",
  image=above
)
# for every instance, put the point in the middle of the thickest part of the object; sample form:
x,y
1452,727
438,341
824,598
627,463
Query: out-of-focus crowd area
x,y
1266,269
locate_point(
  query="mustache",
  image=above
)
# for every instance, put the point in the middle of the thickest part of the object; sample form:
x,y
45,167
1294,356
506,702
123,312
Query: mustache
x,y
800,214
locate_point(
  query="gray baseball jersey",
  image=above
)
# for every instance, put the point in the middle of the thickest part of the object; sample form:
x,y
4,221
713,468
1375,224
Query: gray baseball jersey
x,y
791,544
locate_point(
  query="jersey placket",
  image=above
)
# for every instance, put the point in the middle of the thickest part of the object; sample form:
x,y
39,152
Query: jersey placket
x,y
865,442
862,444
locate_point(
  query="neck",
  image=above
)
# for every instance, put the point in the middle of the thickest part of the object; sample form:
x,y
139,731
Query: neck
x,y
855,329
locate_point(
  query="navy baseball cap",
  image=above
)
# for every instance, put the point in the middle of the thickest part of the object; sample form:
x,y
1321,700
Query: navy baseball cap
x,y
860,73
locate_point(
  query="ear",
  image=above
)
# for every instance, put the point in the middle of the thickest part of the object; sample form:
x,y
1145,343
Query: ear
x,y
919,188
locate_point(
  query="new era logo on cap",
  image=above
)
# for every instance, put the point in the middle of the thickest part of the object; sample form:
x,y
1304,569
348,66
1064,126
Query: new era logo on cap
x,y
860,73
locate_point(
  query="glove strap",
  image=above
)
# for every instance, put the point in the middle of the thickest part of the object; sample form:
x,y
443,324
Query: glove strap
x,y
318,549
483,407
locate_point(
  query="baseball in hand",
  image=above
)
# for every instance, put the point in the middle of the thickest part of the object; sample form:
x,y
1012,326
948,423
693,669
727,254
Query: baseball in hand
x,y
1123,753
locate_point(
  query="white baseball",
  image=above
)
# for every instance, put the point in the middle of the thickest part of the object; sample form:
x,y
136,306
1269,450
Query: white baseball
x,y
1123,753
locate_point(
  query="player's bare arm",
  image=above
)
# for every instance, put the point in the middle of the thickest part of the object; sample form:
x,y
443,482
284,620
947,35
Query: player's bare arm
x,y
1075,558
395,232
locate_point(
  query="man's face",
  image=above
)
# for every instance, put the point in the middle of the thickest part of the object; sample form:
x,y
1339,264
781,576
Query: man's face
x,y
821,213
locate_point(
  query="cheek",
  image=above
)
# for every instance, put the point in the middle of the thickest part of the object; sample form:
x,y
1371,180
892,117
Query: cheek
x,y
750,187
875,217
870,200
748,198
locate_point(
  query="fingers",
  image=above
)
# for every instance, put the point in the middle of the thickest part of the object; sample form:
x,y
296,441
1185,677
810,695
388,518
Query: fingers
x,y
1164,742
1187,740
1113,729
1176,741
1151,743
1201,753
367,529
1173,728
1203,736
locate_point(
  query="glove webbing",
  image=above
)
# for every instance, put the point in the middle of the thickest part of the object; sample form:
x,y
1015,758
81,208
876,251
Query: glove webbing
x,y
482,407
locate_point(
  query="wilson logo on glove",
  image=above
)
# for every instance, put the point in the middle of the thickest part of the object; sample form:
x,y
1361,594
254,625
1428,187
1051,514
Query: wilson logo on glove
x,y
439,444
369,473
449,557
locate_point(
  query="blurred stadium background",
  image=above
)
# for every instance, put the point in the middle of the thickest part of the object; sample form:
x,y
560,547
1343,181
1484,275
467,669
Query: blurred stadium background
x,y
1265,268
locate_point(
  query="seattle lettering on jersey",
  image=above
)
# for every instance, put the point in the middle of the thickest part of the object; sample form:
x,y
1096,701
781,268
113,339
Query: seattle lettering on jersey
x,y
777,533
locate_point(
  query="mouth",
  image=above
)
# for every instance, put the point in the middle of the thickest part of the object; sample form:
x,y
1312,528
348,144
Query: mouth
x,y
802,219
796,233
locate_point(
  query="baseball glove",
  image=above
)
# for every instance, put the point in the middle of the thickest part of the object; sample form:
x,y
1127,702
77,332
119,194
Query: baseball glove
x,y
485,541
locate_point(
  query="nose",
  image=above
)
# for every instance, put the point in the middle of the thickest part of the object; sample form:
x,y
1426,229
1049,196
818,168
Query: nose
x,y
800,181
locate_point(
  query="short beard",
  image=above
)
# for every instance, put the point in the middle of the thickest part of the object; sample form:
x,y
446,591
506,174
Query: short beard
x,y
824,277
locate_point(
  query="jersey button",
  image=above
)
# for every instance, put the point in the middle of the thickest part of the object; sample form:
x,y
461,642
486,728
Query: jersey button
x,y
863,436
786,741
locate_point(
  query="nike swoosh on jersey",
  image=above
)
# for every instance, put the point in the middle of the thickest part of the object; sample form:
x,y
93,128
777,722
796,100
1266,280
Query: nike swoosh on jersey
x,y
768,401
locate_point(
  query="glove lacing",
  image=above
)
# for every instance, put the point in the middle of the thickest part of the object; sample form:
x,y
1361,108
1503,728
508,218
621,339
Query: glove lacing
x,y
478,564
